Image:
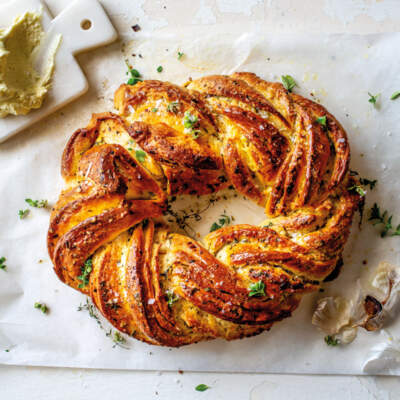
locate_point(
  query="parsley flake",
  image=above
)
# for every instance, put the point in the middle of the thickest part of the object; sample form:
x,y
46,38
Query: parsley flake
x,y
257,289
321,121
202,387
223,220
140,155
37,203
159,68
331,341
154,110
23,213
135,76
3,266
86,269
288,82
180,55
395,95
191,122
373,99
42,307
171,298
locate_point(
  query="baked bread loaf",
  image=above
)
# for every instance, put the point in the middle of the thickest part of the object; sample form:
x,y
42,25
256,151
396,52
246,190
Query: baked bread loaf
x,y
108,239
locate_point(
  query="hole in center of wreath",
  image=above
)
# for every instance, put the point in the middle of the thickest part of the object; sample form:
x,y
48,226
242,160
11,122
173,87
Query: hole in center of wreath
x,y
196,216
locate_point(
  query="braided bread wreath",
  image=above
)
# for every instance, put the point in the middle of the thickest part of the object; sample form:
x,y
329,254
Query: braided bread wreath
x,y
244,132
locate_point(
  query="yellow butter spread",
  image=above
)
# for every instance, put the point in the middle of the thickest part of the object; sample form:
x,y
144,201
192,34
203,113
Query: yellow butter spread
x,y
22,85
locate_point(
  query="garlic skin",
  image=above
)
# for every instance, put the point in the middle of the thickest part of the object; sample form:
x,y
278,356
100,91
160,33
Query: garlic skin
x,y
340,318
386,280
333,317
331,314
347,334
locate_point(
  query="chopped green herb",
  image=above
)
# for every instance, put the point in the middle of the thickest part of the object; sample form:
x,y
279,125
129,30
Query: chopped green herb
x,y
86,269
367,182
140,155
2,263
395,95
191,122
257,289
171,298
322,121
133,81
372,99
384,219
358,189
37,203
135,76
223,220
159,68
288,82
173,107
180,55
134,73
155,109
7,350
23,213
331,341
42,307
202,387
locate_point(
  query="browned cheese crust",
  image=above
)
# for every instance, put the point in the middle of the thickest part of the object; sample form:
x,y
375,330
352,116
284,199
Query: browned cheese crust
x,y
165,288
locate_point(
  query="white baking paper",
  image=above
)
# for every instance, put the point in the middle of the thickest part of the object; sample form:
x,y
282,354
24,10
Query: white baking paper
x,y
338,70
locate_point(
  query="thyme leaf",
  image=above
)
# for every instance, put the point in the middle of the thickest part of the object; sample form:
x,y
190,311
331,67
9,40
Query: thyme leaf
x,y
331,341
42,307
86,269
257,289
223,220
37,203
23,213
288,82
202,387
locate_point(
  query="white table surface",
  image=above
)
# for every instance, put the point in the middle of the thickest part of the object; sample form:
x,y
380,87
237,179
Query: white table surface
x,y
355,16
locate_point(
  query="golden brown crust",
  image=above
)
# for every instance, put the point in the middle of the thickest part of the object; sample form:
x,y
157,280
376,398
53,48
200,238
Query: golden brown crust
x,y
165,288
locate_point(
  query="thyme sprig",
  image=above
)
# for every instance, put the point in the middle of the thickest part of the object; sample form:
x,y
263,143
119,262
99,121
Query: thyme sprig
x,y
86,269
384,219
117,338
